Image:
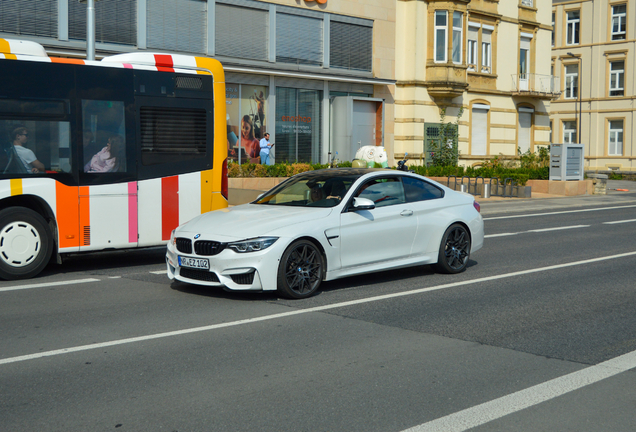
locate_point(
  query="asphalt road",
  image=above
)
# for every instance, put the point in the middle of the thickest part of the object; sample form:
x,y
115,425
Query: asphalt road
x,y
539,334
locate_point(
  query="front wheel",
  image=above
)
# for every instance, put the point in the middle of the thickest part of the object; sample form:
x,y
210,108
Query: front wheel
x,y
300,270
26,243
454,250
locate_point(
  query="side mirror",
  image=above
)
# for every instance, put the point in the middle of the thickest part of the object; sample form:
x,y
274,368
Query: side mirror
x,y
363,204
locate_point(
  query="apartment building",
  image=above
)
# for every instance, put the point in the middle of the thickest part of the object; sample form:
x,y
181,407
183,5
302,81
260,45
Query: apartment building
x,y
317,75
489,57
593,52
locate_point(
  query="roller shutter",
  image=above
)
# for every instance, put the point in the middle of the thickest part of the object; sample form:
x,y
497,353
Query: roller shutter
x,y
29,17
479,131
241,32
298,39
177,25
115,21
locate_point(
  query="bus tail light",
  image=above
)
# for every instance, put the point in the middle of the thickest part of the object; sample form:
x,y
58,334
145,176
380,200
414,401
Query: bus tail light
x,y
224,180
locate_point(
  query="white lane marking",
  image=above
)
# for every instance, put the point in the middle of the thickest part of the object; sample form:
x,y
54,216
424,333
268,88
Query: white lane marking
x,y
501,235
160,272
509,404
557,213
47,284
617,222
308,310
558,228
537,231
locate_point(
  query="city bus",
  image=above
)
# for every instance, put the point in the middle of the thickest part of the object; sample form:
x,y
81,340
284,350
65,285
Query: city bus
x,y
104,155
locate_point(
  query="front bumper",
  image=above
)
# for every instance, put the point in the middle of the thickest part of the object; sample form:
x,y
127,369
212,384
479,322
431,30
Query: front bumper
x,y
251,271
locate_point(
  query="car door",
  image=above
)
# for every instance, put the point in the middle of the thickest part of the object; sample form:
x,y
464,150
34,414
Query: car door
x,y
427,202
382,234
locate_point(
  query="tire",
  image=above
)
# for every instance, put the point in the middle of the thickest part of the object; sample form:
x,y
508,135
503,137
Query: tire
x,y
26,243
300,270
454,251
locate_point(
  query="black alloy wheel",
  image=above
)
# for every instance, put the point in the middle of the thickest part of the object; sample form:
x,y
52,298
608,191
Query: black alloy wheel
x,y
300,270
454,250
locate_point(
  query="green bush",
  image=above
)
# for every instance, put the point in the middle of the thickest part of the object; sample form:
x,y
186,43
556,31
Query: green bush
x,y
495,168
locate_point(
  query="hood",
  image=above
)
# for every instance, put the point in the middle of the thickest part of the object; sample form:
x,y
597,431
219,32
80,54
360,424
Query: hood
x,y
248,221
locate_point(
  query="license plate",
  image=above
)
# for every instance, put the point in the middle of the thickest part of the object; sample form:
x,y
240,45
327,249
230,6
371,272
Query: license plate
x,y
200,263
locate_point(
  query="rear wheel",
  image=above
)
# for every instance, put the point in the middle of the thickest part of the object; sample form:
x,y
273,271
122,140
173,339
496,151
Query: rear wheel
x,y
300,270
26,243
454,251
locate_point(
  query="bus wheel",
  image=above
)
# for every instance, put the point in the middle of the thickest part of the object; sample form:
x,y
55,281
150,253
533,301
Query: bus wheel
x,y
26,243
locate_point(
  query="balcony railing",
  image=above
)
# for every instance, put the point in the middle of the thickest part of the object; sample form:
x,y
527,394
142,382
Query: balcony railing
x,y
531,84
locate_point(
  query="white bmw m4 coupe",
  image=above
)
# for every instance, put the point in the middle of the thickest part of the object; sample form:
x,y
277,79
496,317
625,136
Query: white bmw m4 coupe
x,y
328,224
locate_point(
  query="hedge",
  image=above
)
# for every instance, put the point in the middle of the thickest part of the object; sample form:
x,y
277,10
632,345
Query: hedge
x,y
519,175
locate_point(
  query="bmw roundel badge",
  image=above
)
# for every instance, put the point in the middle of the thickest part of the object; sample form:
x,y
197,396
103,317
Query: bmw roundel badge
x,y
197,236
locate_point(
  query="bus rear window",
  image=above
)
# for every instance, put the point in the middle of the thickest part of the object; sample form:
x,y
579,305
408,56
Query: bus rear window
x,y
171,135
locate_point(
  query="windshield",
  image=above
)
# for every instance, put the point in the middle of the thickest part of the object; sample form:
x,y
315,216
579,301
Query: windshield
x,y
320,188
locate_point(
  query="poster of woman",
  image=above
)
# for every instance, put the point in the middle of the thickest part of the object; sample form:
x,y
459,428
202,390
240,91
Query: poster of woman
x,y
246,113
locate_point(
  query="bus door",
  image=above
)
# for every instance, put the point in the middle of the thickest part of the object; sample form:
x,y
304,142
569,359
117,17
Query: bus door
x,y
106,151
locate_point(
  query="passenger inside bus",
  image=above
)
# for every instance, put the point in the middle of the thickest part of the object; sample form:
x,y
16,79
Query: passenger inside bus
x,y
108,158
90,146
28,158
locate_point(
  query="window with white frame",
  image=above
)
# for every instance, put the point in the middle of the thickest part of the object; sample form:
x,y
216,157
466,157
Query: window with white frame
x,y
619,19
569,132
441,36
486,50
553,30
471,47
617,78
571,81
528,3
457,36
615,138
573,21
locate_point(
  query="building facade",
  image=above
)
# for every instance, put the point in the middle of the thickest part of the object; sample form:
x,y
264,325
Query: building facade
x,y
488,58
287,63
593,52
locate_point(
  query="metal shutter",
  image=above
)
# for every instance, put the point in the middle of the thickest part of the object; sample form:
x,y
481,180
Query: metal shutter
x,y
241,32
479,131
350,46
115,21
177,25
29,17
525,129
298,39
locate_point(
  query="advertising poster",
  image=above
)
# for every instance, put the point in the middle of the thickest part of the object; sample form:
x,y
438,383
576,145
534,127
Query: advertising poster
x,y
232,110
253,125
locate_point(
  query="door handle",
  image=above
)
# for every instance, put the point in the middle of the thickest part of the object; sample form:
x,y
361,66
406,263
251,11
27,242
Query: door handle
x,y
406,213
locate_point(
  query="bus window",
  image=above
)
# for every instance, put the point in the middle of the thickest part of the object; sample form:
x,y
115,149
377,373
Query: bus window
x,y
103,136
32,146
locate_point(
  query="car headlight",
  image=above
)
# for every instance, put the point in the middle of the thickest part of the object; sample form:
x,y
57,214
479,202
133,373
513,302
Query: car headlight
x,y
252,245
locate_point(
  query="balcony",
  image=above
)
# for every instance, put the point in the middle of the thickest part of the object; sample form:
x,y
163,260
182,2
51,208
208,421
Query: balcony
x,y
536,85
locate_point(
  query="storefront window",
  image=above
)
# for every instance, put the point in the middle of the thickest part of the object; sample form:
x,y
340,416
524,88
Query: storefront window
x,y
246,113
298,115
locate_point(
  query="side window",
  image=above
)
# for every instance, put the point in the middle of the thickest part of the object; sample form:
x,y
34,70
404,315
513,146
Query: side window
x,y
383,192
103,137
34,137
420,190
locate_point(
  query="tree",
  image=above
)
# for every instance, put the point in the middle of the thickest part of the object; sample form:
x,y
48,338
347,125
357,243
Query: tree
x,y
445,151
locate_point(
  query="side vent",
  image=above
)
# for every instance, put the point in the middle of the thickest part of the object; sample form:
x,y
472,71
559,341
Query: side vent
x,y
87,235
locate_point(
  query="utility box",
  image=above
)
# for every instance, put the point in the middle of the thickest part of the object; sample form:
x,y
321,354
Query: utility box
x,y
566,162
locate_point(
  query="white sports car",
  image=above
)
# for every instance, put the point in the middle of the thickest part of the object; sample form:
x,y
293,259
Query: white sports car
x,y
327,224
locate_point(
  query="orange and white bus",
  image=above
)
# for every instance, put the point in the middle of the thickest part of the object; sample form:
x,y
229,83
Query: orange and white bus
x,y
99,155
